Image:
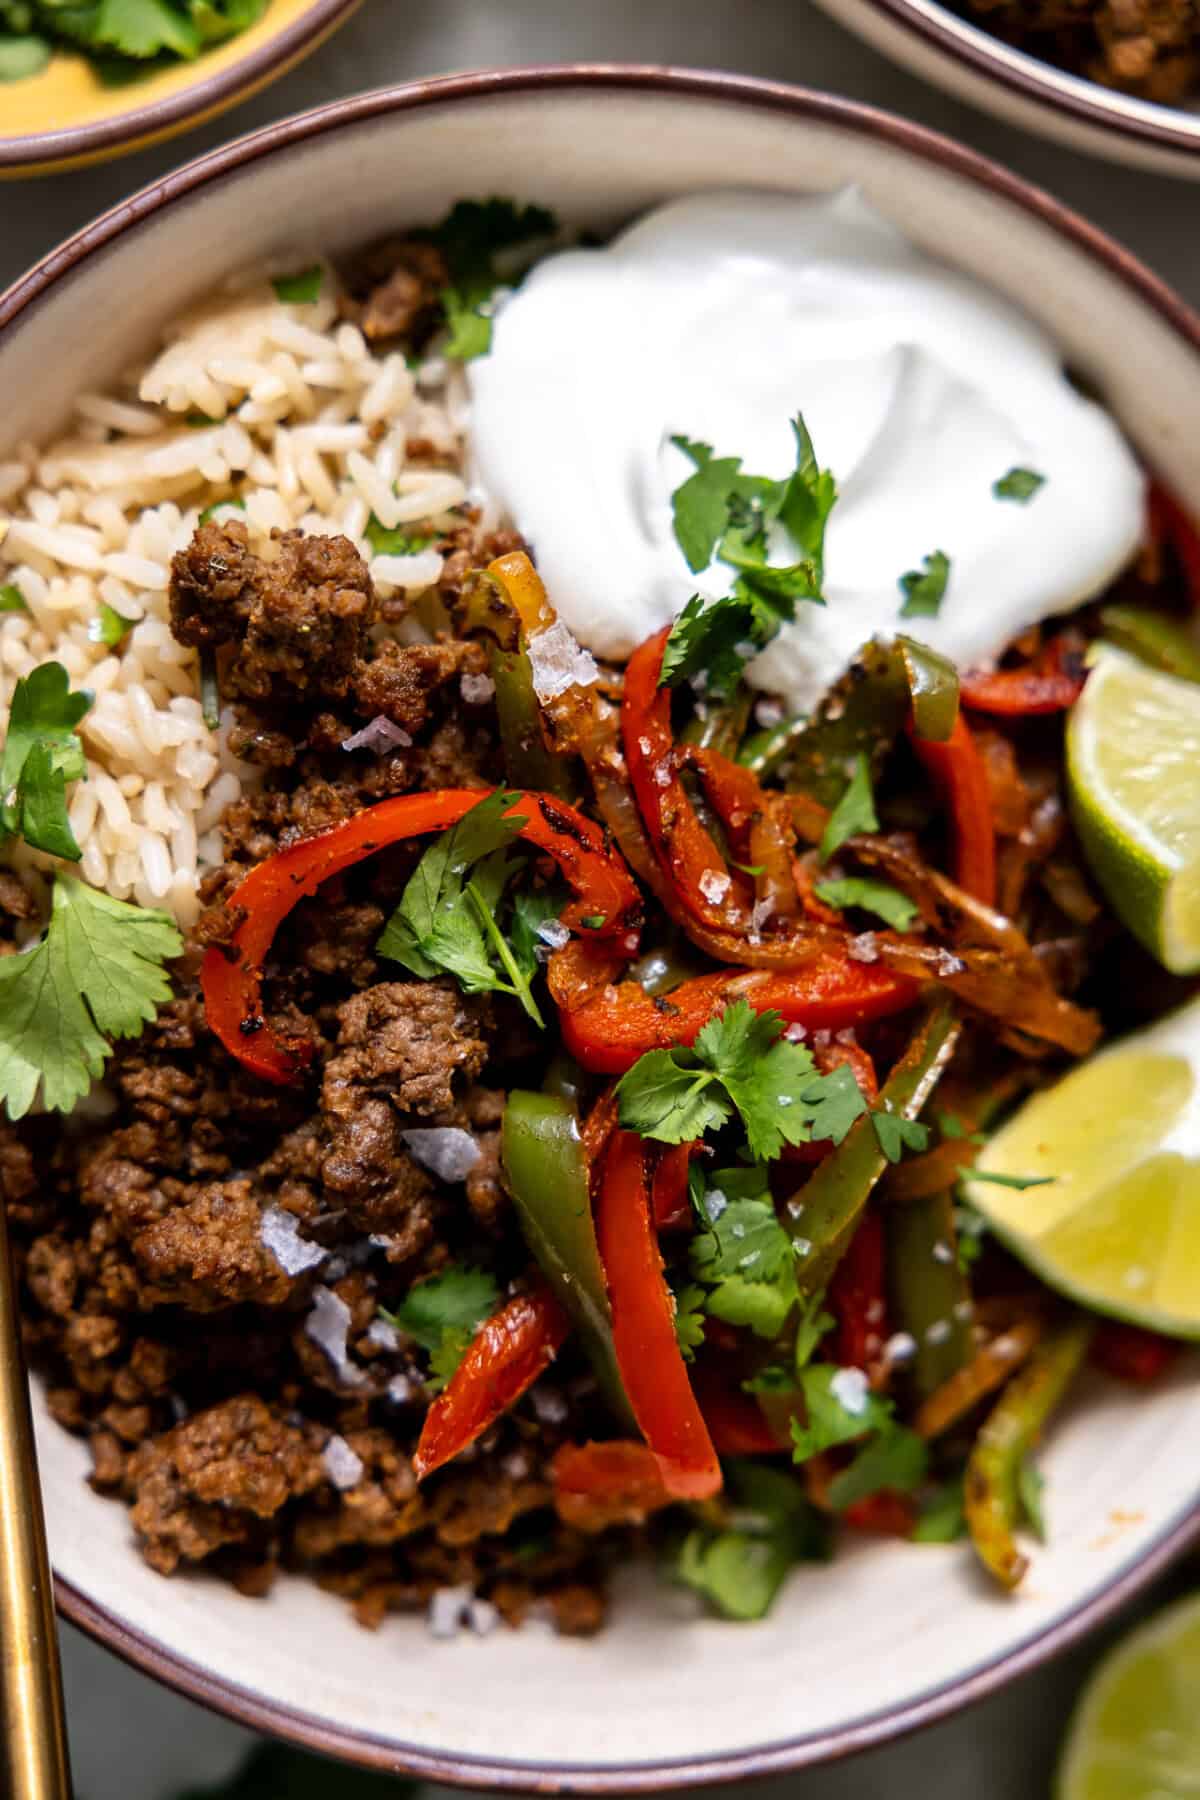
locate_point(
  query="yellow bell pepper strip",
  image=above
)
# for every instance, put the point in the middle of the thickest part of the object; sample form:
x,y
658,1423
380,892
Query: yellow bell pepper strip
x,y
1008,1434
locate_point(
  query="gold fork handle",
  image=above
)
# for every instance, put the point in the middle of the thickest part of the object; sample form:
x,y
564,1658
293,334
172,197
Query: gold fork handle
x,y
33,1738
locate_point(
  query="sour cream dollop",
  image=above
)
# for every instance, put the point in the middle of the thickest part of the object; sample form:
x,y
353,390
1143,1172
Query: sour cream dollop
x,y
718,317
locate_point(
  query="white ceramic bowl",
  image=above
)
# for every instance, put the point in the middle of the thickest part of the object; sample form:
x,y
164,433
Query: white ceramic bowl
x,y
957,54
890,1635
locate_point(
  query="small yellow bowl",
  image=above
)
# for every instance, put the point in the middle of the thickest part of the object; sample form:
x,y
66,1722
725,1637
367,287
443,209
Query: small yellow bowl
x,y
66,116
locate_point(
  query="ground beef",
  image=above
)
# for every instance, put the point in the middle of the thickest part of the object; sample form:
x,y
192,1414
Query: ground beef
x,y
400,681
1145,47
408,1040
298,623
395,290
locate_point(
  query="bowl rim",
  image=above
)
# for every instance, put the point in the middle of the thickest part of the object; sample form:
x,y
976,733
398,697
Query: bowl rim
x,y
1149,123
208,94
296,1724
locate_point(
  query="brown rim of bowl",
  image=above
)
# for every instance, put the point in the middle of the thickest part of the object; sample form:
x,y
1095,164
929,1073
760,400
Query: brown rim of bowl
x,y
299,1727
1147,122
160,118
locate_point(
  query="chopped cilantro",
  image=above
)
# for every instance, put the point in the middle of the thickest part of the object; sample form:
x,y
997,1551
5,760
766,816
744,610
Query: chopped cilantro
x,y
925,590
1031,1491
895,1460
744,1257
121,34
446,919
722,513
109,626
1019,484
952,1127
839,1407
300,289
444,1313
533,908
896,1134
210,512
878,897
96,974
398,542
1020,1182
741,1064
22,57
210,688
12,600
854,812
689,1318
815,1323
740,1570
42,753
471,237
942,1518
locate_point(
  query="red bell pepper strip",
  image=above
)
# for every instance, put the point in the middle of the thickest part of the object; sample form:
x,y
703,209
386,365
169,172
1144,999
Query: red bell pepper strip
x,y
1051,683
1131,1353
669,1201
890,1514
1169,521
825,993
736,1422
855,1296
959,771
683,848
615,1483
648,1353
506,1356
231,973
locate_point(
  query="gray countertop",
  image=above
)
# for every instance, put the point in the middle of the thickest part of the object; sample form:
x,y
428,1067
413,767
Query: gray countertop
x,y
135,1742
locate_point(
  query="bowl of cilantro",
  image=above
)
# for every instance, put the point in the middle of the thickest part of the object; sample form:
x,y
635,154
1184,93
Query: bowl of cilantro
x,y
304,1343
84,83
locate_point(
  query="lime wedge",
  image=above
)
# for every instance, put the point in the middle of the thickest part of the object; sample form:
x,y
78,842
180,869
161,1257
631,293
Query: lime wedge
x,y
1136,1731
1117,1224
1133,765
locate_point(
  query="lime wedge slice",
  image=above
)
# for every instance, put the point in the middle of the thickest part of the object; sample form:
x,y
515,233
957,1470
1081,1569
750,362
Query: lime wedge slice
x,y
1117,1223
1133,765
1136,1731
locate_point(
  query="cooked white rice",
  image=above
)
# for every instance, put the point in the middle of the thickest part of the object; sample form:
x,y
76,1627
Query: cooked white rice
x,y
312,428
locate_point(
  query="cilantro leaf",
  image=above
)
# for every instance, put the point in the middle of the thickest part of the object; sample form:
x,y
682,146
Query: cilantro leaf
x,y
470,237
666,1095
1020,1182
970,1228
895,1459
96,974
689,1318
12,600
444,1313
398,542
740,1571
1031,1489
744,1257
723,513
815,1323
300,289
210,512
839,1407
896,1134
533,908
1019,484
145,28
878,897
952,1127
739,1061
22,57
943,1518
925,590
42,753
109,626
446,919
854,812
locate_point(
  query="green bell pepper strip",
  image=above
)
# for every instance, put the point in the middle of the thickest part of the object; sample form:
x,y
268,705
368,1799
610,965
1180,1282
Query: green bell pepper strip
x,y
1012,1428
1154,637
831,1202
767,751
529,763
546,1166
929,1295
866,710
719,725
